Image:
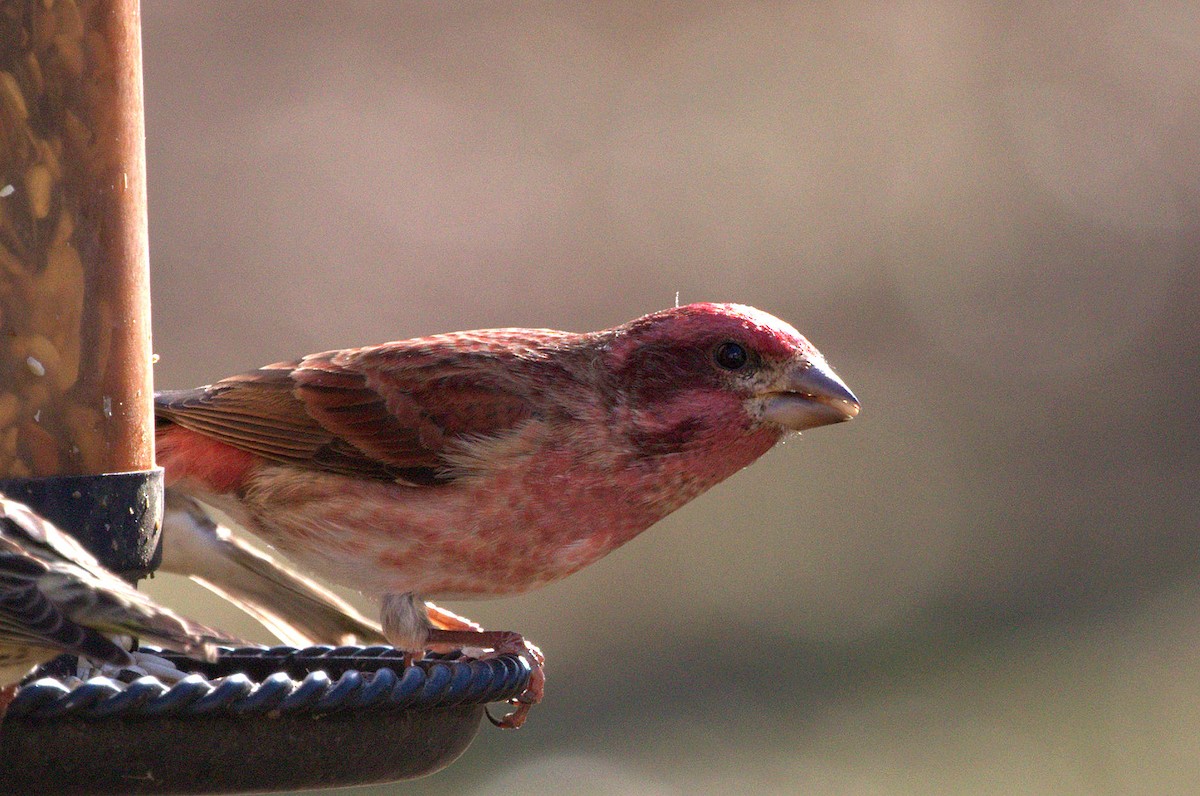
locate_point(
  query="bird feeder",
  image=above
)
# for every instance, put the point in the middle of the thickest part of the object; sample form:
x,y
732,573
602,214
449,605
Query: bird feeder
x,y
76,420
77,445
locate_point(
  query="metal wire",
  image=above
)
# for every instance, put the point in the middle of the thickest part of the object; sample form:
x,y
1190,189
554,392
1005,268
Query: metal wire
x,y
254,681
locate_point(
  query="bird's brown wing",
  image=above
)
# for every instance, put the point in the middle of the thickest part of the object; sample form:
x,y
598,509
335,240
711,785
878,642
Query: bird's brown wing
x,y
255,412
386,412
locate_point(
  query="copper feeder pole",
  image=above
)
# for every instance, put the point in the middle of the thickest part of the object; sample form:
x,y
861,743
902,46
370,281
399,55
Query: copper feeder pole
x,y
75,354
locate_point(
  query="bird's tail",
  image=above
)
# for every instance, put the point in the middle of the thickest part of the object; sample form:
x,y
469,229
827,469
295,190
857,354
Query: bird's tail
x,y
296,609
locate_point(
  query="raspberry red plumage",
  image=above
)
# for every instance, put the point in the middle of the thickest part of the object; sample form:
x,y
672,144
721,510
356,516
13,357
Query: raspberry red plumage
x,y
492,462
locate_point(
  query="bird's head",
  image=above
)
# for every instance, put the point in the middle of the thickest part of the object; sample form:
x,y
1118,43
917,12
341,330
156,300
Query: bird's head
x,y
691,371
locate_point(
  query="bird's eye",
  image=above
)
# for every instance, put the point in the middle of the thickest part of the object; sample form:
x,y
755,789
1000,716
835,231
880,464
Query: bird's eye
x,y
731,356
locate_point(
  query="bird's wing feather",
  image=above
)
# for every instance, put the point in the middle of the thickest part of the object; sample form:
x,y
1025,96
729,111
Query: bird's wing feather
x,y
28,616
55,594
386,412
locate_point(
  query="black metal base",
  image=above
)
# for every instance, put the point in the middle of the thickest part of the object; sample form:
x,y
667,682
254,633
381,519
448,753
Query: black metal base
x,y
116,516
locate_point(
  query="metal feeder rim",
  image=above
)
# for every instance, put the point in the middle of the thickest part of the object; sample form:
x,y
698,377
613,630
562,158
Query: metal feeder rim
x,y
254,681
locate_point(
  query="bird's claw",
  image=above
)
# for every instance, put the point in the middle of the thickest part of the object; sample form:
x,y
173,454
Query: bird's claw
x,y
9,692
534,689
504,642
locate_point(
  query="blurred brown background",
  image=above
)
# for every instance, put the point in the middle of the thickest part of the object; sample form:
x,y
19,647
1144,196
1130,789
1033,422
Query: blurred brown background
x,y
988,218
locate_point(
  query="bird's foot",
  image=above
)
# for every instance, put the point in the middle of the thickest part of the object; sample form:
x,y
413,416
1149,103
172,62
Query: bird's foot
x,y
144,663
7,694
503,642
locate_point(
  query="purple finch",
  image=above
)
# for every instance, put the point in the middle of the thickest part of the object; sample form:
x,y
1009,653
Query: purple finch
x,y
486,463
55,598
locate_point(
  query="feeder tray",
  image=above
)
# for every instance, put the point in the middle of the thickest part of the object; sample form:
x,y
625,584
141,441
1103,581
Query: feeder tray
x,y
254,720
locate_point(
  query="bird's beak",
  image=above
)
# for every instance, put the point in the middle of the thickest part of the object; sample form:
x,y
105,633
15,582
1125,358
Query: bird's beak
x,y
809,395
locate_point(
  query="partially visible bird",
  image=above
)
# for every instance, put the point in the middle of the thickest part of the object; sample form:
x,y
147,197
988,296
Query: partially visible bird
x,y
56,598
485,463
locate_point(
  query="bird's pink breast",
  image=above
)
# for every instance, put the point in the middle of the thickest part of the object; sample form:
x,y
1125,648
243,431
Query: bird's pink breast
x,y
521,526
